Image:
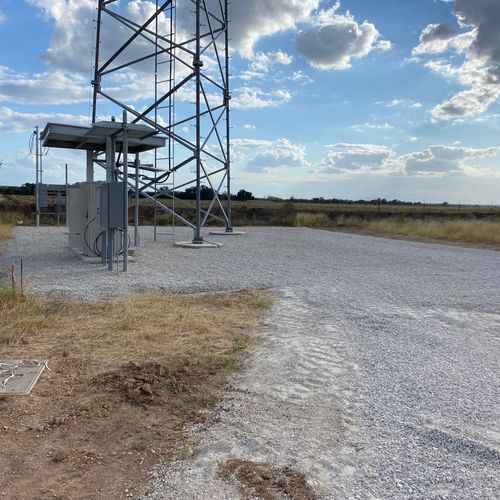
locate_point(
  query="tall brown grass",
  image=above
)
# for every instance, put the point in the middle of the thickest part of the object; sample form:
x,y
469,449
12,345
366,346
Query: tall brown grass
x,y
5,232
470,231
7,222
308,219
209,328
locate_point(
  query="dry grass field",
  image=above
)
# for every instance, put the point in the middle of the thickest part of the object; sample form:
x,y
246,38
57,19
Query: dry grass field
x,y
125,378
458,230
460,224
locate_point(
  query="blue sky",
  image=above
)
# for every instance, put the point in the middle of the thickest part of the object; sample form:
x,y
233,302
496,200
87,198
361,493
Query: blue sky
x,y
352,99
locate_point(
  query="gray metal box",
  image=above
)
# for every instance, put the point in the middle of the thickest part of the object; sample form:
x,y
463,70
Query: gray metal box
x,y
112,205
82,211
43,196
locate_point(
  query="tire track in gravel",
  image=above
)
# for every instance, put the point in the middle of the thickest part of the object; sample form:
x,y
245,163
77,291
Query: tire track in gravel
x,y
297,376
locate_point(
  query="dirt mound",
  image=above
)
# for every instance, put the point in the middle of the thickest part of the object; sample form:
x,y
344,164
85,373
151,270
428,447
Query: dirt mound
x,y
267,482
148,383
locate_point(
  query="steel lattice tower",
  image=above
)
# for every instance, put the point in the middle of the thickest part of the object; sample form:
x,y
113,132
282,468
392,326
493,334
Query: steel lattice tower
x,y
187,73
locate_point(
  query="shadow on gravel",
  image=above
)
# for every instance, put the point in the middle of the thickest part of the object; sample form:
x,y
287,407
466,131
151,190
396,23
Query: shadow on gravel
x,y
453,443
265,481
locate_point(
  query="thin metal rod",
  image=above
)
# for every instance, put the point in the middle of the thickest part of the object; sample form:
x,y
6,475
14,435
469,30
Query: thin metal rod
x,y
97,79
136,215
37,186
132,38
197,64
227,99
125,191
155,219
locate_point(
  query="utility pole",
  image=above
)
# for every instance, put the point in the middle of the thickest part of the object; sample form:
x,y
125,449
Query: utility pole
x,y
37,166
227,98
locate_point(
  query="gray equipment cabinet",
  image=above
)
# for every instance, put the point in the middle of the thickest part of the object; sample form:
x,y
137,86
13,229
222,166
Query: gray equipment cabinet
x,y
112,201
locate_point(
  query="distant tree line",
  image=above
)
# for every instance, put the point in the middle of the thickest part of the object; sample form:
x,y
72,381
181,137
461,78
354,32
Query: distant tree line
x,y
27,189
342,201
207,193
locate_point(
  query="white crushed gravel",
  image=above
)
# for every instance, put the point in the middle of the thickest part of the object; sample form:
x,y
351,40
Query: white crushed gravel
x,y
378,375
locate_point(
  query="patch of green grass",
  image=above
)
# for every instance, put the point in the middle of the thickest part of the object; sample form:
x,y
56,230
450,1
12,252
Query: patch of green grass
x,y
194,401
223,361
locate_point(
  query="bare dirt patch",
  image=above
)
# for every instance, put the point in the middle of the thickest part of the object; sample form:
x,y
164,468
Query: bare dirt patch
x,y
267,482
125,378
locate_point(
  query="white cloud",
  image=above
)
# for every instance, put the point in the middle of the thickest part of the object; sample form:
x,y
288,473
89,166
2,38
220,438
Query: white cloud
x,y
15,122
301,77
281,153
363,127
333,40
3,17
254,97
438,38
345,158
57,87
479,71
436,161
255,19
251,143
263,61
467,103
73,33
401,103
446,160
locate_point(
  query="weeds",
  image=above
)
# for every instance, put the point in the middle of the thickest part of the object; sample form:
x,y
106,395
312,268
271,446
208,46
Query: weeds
x,y
470,231
308,219
152,326
8,220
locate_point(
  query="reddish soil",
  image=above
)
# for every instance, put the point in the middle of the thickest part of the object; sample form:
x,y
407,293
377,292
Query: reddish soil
x,y
267,482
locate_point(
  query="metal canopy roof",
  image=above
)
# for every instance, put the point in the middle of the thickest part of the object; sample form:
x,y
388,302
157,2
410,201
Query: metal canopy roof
x,y
140,137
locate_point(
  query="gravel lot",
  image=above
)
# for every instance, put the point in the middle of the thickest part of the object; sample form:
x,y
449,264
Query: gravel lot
x,y
379,371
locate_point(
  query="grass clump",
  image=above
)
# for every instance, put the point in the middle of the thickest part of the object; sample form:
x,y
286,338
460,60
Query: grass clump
x,y
308,219
8,221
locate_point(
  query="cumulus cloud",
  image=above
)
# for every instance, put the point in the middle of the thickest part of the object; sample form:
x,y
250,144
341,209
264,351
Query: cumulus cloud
x,y
470,102
355,158
445,160
262,155
16,122
73,33
254,97
436,161
480,69
484,16
263,61
438,38
281,153
253,20
57,87
333,40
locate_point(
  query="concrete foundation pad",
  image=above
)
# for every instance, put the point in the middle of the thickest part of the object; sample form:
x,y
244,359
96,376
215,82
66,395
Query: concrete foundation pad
x,y
222,232
190,244
17,377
